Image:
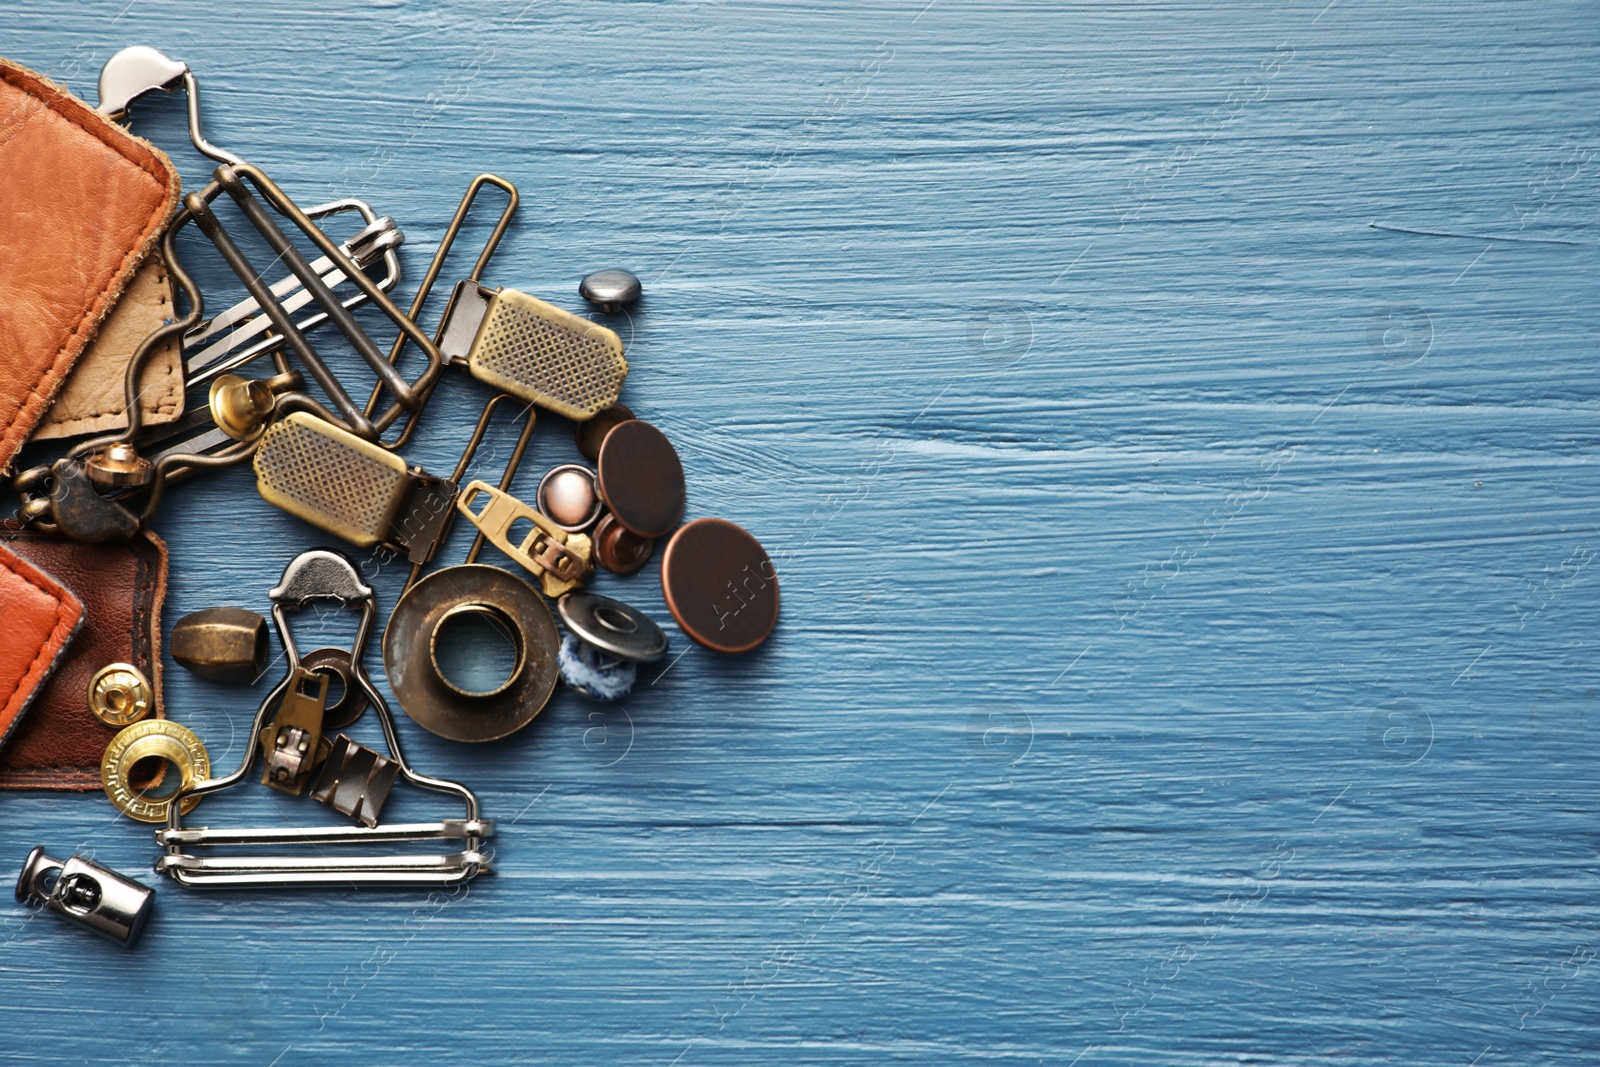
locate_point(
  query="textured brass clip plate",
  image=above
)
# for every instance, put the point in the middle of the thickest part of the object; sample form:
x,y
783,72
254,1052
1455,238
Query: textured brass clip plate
x,y
535,351
351,488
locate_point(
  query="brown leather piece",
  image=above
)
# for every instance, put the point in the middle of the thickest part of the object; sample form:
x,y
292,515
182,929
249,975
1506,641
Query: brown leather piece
x,y
60,742
41,617
92,400
82,202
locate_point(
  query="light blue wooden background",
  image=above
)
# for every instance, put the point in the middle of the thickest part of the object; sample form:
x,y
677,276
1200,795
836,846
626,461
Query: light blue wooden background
x,y
1187,586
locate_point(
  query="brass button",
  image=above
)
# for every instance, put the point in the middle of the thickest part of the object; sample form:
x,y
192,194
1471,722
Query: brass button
x,y
641,478
720,585
591,433
120,695
618,549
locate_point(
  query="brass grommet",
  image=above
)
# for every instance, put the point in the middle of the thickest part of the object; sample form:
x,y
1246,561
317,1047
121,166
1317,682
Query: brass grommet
x,y
498,616
436,704
160,738
120,695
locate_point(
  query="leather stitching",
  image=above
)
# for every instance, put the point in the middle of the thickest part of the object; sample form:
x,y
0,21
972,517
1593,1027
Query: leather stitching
x,y
150,554
58,101
69,614
170,403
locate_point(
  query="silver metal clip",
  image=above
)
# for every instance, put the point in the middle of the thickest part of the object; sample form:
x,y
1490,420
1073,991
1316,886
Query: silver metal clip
x,y
321,576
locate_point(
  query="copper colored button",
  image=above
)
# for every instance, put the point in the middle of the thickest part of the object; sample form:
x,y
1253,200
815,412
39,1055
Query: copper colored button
x,y
619,550
720,585
641,478
591,433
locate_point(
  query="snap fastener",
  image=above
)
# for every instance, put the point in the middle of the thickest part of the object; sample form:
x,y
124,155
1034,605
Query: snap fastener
x,y
120,695
720,585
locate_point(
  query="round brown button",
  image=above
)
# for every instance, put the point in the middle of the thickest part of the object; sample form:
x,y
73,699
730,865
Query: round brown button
x,y
591,432
720,585
641,478
619,550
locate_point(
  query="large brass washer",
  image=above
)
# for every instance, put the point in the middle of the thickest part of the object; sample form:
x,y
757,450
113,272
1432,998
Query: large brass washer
x,y
161,738
432,702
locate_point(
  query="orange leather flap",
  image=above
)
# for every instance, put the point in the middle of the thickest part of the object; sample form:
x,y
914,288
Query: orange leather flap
x,y
37,619
82,201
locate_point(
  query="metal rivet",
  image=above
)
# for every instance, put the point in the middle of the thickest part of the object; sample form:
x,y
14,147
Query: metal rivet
x,y
720,585
618,549
118,466
610,290
641,478
120,695
240,406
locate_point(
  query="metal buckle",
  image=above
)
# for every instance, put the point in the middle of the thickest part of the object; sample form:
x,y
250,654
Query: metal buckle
x,y
516,343
322,575
138,70
112,469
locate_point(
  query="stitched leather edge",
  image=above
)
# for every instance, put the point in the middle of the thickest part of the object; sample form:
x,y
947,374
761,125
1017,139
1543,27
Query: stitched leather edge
x,y
126,146
69,617
169,403
75,777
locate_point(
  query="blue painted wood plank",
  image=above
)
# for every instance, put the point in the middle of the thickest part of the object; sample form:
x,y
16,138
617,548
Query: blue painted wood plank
x,y
1186,582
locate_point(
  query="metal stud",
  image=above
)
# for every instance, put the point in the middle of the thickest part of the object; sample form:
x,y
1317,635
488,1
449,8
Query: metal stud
x,y
610,290
613,627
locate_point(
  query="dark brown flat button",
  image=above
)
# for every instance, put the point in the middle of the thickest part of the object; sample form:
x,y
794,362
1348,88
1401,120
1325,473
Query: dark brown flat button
x,y
618,549
720,585
641,478
591,433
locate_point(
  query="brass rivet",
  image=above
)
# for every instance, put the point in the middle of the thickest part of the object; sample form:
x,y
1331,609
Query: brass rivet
x,y
120,695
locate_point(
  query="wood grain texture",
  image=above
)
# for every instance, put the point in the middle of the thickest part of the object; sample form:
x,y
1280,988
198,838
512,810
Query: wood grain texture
x,y
1185,582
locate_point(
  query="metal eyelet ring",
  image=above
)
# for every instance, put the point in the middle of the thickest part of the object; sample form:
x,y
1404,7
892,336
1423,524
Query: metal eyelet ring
x,y
443,708
352,702
120,695
160,738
